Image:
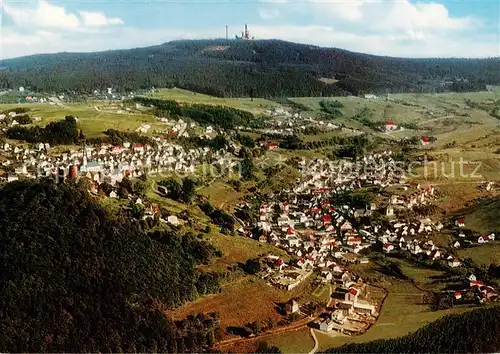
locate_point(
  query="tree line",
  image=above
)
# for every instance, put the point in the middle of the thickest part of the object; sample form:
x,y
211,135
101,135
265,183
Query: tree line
x,y
116,137
222,116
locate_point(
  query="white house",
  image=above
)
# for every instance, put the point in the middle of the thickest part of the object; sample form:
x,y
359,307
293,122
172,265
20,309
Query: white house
x,y
172,219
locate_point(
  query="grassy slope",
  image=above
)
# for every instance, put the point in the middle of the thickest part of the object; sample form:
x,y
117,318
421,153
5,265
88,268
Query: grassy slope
x,y
483,216
484,254
257,105
92,121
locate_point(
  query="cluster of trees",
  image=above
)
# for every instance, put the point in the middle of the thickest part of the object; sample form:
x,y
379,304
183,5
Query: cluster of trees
x,y
245,140
492,107
331,108
17,110
285,101
219,217
263,68
116,137
217,143
279,177
60,132
351,146
24,119
181,191
196,333
222,116
470,332
364,116
252,266
77,278
246,169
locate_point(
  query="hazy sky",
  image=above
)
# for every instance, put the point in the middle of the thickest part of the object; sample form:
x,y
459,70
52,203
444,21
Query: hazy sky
x,y
461,28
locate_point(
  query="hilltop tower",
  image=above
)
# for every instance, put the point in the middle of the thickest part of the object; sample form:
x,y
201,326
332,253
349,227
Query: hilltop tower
x,y
245,35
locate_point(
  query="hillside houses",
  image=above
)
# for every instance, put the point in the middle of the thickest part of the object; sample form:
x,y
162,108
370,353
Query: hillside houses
x,y
308,226
285,123
108,163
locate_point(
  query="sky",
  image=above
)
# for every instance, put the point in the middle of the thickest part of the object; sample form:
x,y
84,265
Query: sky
x,y
403,28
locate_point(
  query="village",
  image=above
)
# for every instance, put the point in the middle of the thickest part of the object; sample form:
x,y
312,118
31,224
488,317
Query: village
x,y
287,122
108,163
317,222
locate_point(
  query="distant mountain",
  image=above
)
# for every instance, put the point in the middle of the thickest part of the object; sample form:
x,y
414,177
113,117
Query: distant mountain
x,y
269,68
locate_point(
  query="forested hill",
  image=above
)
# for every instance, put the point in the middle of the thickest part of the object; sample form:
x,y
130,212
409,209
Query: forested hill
x,y
76,278
471,332
266,68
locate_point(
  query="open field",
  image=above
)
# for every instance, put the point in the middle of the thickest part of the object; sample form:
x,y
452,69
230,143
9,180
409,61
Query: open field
x,y
482,216
92,121
293,342
445,116
256,105
221,195
238,249
422,276
381,109
469,166
245,300
485,254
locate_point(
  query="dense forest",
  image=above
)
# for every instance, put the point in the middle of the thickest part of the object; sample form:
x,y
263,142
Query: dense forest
x,y
264,68
77,279
471,332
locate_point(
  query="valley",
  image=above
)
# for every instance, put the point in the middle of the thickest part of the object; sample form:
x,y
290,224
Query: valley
x,y
256,188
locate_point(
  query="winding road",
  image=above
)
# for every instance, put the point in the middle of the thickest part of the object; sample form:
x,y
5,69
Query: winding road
x,y
316,343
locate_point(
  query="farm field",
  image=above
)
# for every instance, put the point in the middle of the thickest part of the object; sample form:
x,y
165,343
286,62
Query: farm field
x,y
293,342
256,105
484,255
422,276
445,116
482,216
